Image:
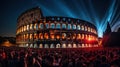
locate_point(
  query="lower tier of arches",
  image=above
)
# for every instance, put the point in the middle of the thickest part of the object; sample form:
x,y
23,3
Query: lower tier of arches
x,y
74,45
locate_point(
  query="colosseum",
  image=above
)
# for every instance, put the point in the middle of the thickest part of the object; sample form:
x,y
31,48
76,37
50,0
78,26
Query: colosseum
x,y
37,31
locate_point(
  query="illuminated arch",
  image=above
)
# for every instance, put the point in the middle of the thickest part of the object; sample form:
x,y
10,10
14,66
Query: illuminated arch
x,y
57,45
86,28
82,27
52,46
52,25
46,46
74,26
27,45
82,36
74,36
74,45
58,26
64,26
41,46
27,27
47,25
69,45
83,45
35,45
63,45
31,45
31,26
78,27
63,35
36,26
69,26
79,45
41,26
35,36
31,37
41,35
46,36
78,36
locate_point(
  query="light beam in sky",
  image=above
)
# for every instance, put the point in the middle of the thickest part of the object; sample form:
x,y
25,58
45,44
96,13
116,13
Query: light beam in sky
x,y
82,9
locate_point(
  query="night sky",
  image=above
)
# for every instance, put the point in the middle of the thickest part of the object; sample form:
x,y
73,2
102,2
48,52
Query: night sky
x,y
98,12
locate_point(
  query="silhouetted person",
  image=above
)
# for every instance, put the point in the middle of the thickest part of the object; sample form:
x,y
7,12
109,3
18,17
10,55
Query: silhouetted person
x,y
104,62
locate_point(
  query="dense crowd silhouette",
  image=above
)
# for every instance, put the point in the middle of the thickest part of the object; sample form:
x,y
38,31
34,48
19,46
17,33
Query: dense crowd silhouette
x,y
78,57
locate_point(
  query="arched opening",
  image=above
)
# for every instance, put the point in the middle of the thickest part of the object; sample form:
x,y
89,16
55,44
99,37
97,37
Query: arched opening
x,y
27,27
74,36
40,46
69,26
41,26
47,25
58,25
31,26
46,46
86,45
46,36
31,45
64,26
74,46
83,45
78,27
79,45
63,45
27,45
69,45
58,46
35,46
78,36
52,46
63,35
36,26
82,27
52,25
74,26
40,35
89,45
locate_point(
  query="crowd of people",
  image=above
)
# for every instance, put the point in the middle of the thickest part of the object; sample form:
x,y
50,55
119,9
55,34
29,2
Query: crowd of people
x,y
72,57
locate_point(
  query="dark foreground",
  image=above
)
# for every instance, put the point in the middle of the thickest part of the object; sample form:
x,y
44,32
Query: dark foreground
x,y
79,57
